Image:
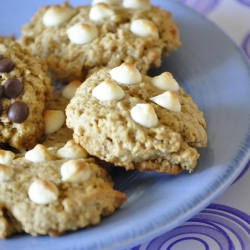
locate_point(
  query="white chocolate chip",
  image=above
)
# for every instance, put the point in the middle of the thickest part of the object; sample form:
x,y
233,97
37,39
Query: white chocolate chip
x,y
145,115
70,89
38,154
165,82
53,120
168,100
126,73
136,4
82,33
43,192
107,91
57,14
72,150
6,173
109,2
100,11
144,28
6,156
75,171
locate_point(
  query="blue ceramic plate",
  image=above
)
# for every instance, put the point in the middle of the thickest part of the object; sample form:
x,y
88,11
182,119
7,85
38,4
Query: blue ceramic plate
x,y
211,68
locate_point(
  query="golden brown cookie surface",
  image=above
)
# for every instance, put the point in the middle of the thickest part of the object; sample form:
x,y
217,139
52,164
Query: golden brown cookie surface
x,y
150,137
110,37
24,87
55,116
43,193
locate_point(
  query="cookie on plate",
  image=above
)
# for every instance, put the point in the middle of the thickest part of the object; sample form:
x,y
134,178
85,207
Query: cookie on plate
x,y
24,87
53,190
57,134
136,121
77,40
56,131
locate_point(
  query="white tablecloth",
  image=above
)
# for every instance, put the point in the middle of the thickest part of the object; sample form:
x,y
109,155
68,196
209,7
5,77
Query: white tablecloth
x,y
225,224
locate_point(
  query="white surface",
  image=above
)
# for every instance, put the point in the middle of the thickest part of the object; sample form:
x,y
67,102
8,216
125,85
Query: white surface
x,y
233,17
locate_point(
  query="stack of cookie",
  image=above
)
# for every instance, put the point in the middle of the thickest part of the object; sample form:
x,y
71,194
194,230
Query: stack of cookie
x,y
75,100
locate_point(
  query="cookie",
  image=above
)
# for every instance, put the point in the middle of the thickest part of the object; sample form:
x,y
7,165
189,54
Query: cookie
x,y
61,134
56,131
24,87
77,40
53,190
132,120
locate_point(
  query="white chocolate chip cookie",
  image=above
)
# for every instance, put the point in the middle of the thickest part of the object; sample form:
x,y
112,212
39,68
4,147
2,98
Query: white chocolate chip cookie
x,y
54,196
75,41
151,128
57,132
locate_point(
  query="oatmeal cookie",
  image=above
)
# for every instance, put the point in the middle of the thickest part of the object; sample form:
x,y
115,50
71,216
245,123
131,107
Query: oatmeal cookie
x,y
136,121
55,116
53,190
56,131
24,87
77,40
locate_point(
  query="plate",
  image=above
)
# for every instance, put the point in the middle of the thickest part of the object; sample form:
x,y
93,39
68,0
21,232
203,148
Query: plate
x,y
214,71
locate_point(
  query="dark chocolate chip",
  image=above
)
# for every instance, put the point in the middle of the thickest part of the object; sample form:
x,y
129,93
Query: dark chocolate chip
x,y
6,65
1,57
1,109
18,112
12,88
1,91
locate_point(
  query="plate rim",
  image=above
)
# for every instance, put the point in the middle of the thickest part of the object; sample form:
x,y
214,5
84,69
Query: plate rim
x,y
244,158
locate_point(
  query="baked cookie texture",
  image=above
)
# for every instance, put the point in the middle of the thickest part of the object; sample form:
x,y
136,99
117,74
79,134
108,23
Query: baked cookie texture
x,y
42,193
24,87
107,130
59,137
111,41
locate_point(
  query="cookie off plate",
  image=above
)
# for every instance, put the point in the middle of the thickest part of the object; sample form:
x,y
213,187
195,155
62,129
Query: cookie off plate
x,y
213,70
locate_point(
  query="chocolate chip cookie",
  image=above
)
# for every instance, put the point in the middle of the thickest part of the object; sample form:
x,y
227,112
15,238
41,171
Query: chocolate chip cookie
x,y
53,190
24,87
136,121
80,40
